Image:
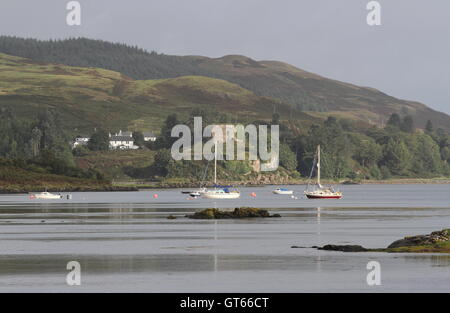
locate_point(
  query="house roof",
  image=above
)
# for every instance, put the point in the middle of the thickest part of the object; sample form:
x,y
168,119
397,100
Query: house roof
x,y
121,138
148,134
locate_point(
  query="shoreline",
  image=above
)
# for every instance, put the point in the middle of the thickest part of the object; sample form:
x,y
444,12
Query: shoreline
x,y
152,185
165,185
67,190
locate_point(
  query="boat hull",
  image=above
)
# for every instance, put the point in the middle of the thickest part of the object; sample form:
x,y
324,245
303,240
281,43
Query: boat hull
x,y
324,197
221,196
278,192
46,197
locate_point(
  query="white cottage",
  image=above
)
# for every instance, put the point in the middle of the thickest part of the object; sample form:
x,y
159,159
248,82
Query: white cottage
x,y
80,141
148,136
122,140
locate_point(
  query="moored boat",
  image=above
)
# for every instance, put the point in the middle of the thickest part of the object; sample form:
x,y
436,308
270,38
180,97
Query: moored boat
x,y
45,196
283,191
220,192
319,191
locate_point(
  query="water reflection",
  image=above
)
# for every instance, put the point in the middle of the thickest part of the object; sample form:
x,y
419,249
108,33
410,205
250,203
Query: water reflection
x,y
130,240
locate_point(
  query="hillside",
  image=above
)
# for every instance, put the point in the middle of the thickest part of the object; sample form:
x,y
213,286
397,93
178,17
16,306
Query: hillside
x,y
14,179
302,90
88,98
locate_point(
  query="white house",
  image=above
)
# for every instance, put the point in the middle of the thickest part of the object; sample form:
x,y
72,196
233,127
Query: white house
x,y
148,136
122,140
80,141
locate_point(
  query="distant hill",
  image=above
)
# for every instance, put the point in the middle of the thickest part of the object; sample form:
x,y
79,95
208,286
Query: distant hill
x,y
300,89
88,98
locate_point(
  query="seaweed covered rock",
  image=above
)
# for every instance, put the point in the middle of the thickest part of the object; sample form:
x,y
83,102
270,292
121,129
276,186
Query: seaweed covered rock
x,y
436,242
345,248
237,213
422,240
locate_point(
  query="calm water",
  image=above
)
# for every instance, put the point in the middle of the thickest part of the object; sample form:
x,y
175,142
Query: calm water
x,y
124,242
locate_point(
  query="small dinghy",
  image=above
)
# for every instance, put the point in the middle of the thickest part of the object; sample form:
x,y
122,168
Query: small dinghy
x,y
196,192
283,191
45,196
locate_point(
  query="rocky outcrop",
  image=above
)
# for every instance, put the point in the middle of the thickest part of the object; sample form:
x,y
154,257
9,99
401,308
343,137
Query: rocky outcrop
x,y
237,213
345,248
422,240
436,242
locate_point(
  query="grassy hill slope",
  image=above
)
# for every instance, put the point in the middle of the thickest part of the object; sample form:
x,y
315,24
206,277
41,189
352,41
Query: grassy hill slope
x,y
91,97
278,80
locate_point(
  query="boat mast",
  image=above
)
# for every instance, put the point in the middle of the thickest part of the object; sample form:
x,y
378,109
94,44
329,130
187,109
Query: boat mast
x,y
318,165
215,165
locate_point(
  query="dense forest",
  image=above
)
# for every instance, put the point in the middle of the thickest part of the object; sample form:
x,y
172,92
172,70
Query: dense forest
x,y
349,152
398,150
129,60
39,146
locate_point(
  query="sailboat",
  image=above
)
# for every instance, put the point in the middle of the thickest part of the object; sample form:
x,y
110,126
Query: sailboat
x,y
220,192
320,192
199,191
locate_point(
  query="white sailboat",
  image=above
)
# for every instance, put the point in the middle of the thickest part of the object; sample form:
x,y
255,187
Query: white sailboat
x,y
319,191
220,192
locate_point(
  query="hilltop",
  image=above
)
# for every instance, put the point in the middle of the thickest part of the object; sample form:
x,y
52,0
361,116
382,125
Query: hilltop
x,y
278,81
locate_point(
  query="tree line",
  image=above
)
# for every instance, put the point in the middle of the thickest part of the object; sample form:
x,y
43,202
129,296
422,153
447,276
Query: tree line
x,y
398,150
39,144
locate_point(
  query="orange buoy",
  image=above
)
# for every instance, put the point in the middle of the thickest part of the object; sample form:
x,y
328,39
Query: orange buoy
x,y
253,194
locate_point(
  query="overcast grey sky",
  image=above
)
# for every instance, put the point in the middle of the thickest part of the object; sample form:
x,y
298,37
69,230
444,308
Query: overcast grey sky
x,y
407,56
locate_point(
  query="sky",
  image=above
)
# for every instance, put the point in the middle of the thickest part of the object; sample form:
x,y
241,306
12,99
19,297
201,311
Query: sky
x,y
406,56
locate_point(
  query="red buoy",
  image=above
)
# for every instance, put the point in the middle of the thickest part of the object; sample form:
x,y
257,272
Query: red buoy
x,y
155,196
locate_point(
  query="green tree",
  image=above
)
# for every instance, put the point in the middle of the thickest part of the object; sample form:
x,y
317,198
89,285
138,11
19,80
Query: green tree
x,y
407,124
368,152
288,159
397,157
445,154
275,119
161,163
429,128
139,139
166,140
394,121
99,141
426,155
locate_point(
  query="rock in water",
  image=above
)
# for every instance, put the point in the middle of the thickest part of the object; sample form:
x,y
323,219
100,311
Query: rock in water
x,y
422,240
346,248
237,213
